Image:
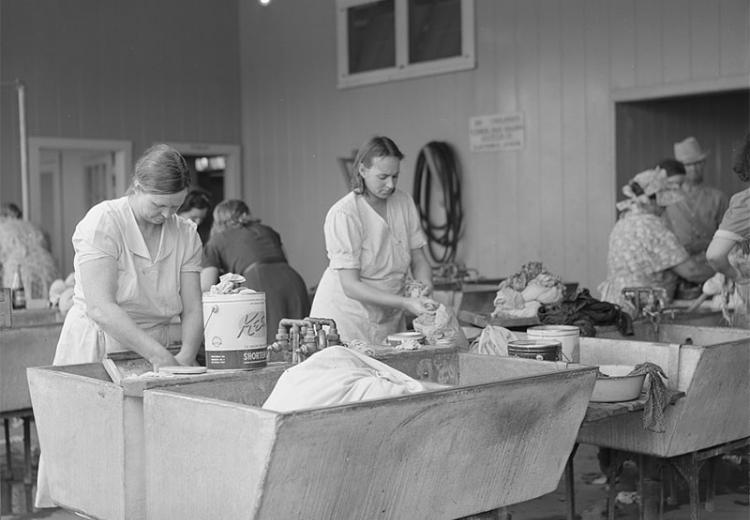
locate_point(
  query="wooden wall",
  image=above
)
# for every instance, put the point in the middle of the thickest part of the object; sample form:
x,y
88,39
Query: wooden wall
x,y
168,70
138,70
563,63
647,130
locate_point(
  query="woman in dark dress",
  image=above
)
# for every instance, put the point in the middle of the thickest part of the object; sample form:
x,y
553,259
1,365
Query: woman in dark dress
x,y
240,244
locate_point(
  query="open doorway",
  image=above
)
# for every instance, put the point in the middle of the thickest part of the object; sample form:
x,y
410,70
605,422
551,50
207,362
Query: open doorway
x,y
66,178
647,129
214,168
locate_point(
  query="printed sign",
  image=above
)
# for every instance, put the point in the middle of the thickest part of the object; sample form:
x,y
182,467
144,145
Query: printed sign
x,y
496,133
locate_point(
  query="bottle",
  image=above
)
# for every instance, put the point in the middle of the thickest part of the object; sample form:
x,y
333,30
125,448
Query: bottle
x,y
18,295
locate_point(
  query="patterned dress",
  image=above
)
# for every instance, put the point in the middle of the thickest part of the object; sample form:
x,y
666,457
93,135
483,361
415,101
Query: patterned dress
x,y
642,250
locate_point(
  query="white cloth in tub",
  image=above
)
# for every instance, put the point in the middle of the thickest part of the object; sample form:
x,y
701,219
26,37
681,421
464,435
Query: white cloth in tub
x,y
338,375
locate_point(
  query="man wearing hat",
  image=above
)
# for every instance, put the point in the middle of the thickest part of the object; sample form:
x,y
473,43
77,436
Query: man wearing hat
x,y
695,219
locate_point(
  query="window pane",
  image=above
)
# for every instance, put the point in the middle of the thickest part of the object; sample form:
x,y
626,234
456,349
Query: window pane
x,y
372,36
434,29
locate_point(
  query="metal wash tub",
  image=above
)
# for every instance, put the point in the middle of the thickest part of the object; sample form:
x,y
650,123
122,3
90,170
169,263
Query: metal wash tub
x,y
502,436
709,364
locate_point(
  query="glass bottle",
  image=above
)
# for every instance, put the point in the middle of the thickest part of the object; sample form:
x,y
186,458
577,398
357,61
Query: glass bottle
x,y
18,295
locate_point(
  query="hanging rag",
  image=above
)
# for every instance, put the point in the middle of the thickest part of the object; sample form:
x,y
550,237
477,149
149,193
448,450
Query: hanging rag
x,y
656,396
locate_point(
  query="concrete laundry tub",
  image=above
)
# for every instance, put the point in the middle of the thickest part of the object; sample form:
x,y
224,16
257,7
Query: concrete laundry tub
x,y
91,430
709,364
501,436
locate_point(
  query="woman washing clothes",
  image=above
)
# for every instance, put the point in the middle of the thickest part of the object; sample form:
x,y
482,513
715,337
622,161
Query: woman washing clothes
x,y
240,244
729,250
137,276
374,242
643,252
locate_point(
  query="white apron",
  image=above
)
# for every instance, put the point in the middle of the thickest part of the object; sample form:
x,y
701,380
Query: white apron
x,y
381,250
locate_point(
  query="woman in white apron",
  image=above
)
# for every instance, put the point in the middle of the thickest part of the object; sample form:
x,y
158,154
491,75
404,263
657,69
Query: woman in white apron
x,y
137,276
374,241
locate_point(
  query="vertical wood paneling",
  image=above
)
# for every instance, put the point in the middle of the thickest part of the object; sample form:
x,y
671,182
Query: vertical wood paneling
x,y
704,34
486,169
675,40
622,36
550,173
527,205
137,70
718,121
648,61
554,61
142,75
575,232
598,196
734,23
505,174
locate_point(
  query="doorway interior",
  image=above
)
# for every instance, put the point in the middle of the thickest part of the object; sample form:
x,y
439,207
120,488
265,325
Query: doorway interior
x,y
214,168
646,130
66,178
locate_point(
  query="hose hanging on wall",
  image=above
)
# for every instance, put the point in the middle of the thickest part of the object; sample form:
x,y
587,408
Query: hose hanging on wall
x,y
436,160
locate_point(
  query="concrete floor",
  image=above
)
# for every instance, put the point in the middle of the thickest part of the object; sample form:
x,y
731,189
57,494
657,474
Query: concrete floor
x,y
730,504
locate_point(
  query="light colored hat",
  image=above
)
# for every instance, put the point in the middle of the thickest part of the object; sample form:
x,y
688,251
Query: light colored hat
x,y
689,151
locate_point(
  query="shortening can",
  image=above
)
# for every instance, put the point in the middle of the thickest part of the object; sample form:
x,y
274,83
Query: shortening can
x,y
234,330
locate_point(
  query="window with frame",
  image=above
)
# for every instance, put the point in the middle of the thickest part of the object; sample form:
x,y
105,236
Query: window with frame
x,y
386,40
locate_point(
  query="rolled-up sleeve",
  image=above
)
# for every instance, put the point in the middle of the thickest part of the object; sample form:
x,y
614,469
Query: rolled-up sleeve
x,y
193,251
343,235
95,237
417,237
736,222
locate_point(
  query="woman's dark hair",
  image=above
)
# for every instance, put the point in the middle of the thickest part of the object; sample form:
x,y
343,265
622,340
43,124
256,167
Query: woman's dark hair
x,y
378,146
197,199
672,166
741,163
10,210
161,170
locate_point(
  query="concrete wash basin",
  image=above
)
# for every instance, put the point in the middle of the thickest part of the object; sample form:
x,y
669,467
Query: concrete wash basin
x,y
501,436
201,447
709,364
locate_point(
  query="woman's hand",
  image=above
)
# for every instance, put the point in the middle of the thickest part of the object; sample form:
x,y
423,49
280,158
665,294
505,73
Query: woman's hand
x,y
419,305
163,359
186,359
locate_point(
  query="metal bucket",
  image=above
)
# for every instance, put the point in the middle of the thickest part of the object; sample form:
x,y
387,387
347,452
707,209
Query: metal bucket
x,y
567,335
541,350
234,330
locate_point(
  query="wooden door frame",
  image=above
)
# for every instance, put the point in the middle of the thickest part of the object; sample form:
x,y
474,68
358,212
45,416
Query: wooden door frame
x,y
123,159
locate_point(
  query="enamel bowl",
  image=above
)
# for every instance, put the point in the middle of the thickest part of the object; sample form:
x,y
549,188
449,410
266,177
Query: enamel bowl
x,y
619,386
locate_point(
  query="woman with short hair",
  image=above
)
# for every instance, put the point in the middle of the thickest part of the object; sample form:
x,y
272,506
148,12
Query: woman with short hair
x,y
137,276
239,243
375,243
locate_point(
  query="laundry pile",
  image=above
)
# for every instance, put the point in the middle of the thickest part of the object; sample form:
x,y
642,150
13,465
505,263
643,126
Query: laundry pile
x,y
521,295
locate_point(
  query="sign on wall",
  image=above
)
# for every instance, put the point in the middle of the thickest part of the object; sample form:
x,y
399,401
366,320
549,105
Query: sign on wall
x,y
496,132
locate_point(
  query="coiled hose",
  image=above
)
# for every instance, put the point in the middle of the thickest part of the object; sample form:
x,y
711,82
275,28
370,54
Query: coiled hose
x,y
436,162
